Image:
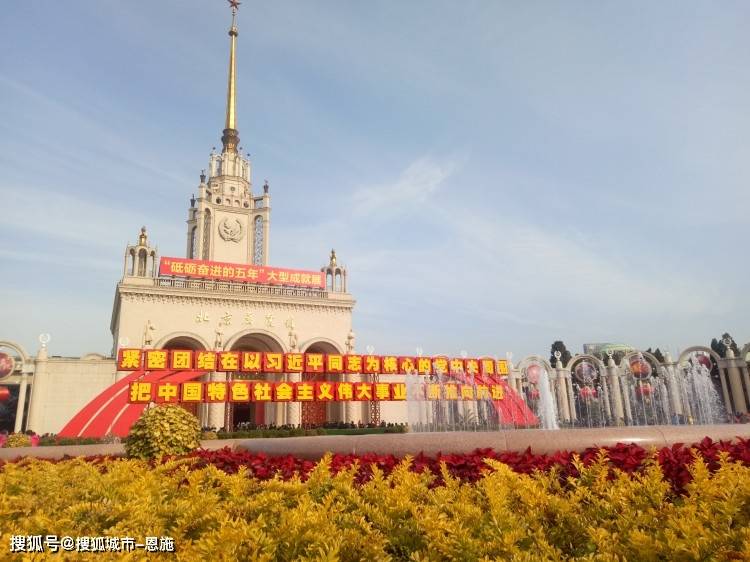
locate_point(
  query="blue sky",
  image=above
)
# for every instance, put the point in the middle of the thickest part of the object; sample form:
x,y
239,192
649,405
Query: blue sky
x,y
494,175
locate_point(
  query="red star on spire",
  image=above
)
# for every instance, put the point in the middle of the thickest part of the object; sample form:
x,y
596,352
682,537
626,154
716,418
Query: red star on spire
x,y
234,4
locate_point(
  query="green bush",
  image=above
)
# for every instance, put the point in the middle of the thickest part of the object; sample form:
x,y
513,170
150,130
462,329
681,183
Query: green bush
x,y
53,440
163,430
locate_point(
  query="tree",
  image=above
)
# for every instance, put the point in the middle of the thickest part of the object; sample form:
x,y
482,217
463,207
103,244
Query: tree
x,y
719,347
565,356
658,354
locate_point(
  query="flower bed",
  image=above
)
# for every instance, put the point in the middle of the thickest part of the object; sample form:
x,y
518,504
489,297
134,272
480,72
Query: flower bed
x,y
674,461
226,506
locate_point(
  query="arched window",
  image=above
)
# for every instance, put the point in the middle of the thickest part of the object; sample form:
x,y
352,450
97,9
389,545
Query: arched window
x,y
142,263
131,262
206,235
193,243
258,244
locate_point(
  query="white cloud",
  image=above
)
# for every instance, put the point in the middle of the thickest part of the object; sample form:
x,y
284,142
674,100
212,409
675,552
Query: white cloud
x,y
66,218
416,184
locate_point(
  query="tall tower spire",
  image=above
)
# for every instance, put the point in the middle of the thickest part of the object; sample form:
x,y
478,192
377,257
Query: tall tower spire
x,y
231,138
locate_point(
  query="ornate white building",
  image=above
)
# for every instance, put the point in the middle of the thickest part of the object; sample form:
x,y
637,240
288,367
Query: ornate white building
x,y
228,222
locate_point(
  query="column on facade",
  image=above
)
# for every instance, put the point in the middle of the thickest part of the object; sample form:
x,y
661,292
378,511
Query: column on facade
x,y
38,391
571,396
742,365
739,403
294,409
670,370
18,427
623,387
280,417
562,399
724,389
514,380
613,377
349,406
471,412
216,410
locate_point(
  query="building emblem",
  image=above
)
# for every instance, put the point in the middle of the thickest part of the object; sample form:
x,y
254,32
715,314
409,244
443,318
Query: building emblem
x,y
231,230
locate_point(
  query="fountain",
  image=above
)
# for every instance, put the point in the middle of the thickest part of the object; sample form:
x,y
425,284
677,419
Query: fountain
x,y
698,392
639,391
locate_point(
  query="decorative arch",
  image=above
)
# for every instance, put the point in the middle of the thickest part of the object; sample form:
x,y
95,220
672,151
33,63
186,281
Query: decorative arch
x,y
17,348
684,355
585,357
526,361
254,340
315,413
142,257
268,339
191,337
655,362
320,340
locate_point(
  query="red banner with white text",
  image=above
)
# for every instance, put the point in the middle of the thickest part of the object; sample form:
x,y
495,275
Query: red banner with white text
x,y
243,273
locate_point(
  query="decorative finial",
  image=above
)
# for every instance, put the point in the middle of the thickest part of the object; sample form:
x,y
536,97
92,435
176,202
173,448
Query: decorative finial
x,y
192,200
265,185
143,237
333,258
230,138
203,176
44,339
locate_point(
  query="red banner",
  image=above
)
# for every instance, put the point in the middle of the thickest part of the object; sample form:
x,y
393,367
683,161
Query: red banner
x,y
220,271
141,392
308,363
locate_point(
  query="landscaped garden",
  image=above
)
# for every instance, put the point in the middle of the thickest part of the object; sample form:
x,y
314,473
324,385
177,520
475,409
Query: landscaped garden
x,y
616,503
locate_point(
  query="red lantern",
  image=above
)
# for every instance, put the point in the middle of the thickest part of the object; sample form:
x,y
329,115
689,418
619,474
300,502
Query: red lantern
x,y
533,372
640,367
4,393
644,389
534,394
585,372
587,392
704,360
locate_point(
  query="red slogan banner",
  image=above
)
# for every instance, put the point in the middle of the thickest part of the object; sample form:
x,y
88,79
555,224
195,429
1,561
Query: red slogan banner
x,y
306,391
221,271
309,363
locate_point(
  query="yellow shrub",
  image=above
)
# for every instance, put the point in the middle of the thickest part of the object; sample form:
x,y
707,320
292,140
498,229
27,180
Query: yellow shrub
x,y
17,440
505,516
163,430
